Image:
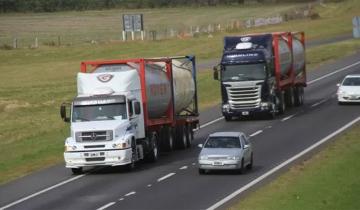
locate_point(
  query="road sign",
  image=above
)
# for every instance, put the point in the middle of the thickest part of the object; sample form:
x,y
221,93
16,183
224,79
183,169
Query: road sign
x,y
133,22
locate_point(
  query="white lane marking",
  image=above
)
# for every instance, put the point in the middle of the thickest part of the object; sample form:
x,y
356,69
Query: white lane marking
x,y
209,123
130,193
166,176
273,170
256,133
183,168
318,103
121,199
268,127
332,73
149,185
287,118
106,206
42,191
193,164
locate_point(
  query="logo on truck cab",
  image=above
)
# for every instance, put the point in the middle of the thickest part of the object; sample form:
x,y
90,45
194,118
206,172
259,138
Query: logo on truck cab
x,y
105,77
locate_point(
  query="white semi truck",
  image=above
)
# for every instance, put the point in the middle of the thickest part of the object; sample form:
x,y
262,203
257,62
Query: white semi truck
x,y
129,110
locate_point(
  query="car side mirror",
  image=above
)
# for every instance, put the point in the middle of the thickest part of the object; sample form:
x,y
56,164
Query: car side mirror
x,y
246,146
137,108
200,145
63,112
216,72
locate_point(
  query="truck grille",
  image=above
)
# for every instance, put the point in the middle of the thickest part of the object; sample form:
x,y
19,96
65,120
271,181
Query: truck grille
x,y
244,97
93,136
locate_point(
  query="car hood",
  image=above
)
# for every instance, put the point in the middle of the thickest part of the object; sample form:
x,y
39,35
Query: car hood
x,y
350,89
220,152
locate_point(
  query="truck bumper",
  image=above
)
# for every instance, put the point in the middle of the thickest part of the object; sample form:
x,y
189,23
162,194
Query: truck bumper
x,y
97,158
244,112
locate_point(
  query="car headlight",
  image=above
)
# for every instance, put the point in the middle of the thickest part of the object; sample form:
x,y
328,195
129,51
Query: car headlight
x,y
341,92
203,157
233,158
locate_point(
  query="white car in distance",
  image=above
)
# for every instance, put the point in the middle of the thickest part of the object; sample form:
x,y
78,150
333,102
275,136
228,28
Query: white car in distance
x,y
225,151
349,89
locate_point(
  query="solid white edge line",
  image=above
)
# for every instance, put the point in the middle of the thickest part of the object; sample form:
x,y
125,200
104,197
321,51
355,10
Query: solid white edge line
x,y
332,73
165,177
42,191
267,174
106,206
256,133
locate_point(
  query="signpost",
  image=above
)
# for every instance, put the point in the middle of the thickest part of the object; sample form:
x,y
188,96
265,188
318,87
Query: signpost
x,y
133,23
356,27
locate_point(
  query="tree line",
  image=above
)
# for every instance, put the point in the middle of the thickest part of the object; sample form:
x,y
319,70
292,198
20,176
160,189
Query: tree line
x,y
67,5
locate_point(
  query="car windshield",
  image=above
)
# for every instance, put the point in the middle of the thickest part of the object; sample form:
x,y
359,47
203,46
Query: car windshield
x,y
351,81
244,72
99,112
223,142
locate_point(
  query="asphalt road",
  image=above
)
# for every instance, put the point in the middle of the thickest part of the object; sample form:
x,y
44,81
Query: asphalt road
x,y
173,182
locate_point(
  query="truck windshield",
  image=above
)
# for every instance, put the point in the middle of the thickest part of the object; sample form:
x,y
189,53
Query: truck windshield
x,y
99,112
244,72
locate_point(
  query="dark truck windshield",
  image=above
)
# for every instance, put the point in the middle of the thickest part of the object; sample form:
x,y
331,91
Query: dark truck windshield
x,y
244,72
99,112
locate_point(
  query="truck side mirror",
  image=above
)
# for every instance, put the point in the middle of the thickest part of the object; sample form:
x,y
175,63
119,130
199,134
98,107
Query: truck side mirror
x,y
63,112
137,108
216,72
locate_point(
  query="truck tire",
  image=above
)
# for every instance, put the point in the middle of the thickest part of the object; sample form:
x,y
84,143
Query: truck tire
x,y
190,136
131,166
180,137
290,97
153,153
77,171
299,96
167,139
227,118
281,105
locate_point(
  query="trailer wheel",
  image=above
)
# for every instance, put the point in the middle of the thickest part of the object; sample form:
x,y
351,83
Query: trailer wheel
x,y
167,139
154,150
188,136
299,96
281,106
180,137
290,97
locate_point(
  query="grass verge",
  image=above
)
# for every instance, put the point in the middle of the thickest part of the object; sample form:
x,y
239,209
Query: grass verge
x,y
329,180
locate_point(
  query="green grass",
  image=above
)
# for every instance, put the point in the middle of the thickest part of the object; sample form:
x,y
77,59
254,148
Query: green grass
x,y
329,180
34,82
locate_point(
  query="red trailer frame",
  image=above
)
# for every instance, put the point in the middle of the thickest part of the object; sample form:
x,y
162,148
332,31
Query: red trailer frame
x,y
291,79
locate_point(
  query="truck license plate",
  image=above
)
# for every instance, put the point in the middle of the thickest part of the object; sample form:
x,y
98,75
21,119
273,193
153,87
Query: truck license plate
x,y
93,154
245,113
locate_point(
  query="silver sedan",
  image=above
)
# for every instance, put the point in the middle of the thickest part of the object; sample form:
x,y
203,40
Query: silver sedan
x,y
225,151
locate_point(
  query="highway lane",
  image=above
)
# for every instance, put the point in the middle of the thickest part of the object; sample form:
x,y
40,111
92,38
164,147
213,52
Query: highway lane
x,y
186,189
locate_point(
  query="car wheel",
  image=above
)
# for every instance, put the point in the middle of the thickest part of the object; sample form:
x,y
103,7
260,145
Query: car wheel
x,y
241,170
77,171
250,165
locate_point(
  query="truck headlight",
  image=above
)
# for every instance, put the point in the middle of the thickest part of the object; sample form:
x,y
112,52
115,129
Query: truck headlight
x,y
264,105
70,148
226,107
122,145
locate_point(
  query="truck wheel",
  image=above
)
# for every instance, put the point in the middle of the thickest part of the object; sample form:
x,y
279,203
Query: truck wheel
x,y
154,151
227,118
299,96
131,166
180,137
290,97
190,136
167,140
77,171
281,103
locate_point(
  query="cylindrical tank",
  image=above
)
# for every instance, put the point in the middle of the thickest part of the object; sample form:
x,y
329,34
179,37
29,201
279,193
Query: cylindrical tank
x,y
284,57
158,87
298,55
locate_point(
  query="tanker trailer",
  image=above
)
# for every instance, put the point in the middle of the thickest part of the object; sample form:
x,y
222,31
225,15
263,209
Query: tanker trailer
x,y
129,110
261,74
